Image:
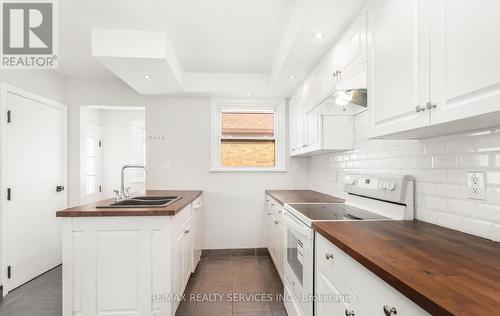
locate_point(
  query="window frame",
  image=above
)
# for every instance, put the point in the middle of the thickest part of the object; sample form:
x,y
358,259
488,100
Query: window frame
x,y
276,106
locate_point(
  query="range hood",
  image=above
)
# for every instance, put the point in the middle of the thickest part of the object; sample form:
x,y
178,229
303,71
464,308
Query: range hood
x,y
342,102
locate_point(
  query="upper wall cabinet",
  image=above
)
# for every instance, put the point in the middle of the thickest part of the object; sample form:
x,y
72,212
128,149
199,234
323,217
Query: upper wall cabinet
x,y
344,66
398,65
433,67
465,63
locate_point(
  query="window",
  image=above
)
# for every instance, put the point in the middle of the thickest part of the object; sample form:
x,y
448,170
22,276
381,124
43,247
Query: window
x,y
248,137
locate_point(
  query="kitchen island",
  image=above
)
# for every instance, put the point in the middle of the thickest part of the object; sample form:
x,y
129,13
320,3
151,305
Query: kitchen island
x,y
130,260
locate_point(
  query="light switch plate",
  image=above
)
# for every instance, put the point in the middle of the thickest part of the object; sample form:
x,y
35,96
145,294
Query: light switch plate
x,y
476,185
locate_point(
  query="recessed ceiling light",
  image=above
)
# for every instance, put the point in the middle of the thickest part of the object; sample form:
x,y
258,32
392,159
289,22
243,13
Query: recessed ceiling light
x,y
318,35
147,77
291,77
249,95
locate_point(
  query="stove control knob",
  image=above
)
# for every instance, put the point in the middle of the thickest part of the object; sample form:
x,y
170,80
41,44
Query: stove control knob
x,y
391,186
382,185
349,180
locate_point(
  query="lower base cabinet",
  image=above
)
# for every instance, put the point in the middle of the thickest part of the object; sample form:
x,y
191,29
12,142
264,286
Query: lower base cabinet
x,y
128,265
275,233
345,287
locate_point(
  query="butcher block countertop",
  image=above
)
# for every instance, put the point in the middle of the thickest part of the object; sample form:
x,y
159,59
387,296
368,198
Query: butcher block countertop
x,y
444,271
90,210
302,196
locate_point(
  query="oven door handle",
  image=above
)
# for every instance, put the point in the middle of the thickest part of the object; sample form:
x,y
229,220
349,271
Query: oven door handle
x,y
300,228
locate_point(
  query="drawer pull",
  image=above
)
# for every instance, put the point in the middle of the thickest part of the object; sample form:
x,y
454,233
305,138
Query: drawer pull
x,y
186,231
349,313
388,311
329,256
276,222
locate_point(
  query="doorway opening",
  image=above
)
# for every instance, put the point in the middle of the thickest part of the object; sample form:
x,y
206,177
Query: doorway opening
x,y
111,138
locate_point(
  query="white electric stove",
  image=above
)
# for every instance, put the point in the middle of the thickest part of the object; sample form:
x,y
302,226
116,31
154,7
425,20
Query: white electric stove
x,y
369,198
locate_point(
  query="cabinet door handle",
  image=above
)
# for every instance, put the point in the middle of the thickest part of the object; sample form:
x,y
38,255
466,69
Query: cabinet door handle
x,y
431,105
186,231
419,108
329,256
276,222
349,313
388,311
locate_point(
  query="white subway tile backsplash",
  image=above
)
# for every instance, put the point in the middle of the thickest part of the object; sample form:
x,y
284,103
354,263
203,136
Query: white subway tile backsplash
x,y
488,142
493,178
448,220
435,203
433,148
456,176
446,161
439,166
461,145
476,227
464,208
474,161
424,214
448,190
489,212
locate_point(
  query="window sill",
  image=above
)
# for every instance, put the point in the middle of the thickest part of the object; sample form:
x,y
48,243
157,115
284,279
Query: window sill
x,y
248,170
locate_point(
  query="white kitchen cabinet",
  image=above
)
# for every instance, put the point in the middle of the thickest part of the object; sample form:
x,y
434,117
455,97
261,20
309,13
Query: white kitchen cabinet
x,y
430,74
275,233
325,134
398,85
127,265
465,63
350,57
337,274
182,256
198,231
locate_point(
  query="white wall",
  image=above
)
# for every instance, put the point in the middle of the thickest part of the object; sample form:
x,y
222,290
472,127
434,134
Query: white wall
x,y
234,201
118,148
439,166
84,92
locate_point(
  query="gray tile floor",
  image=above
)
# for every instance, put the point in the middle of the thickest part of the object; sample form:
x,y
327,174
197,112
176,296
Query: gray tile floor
x,y
253,279
238,286
40,297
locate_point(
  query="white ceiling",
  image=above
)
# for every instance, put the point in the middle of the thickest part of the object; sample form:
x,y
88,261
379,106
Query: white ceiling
x,y
270,38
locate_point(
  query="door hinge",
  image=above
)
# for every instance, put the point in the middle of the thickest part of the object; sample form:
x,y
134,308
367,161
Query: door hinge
x,y
9,118
9,272
100,143
9,194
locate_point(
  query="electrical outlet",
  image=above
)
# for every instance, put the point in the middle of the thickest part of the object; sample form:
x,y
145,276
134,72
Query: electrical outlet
x,y
476,185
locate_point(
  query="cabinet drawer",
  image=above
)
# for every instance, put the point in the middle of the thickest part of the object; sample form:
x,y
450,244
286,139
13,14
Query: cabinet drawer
x,y
372,292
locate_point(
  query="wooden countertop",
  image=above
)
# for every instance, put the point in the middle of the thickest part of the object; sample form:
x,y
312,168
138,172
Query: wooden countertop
x,y
444,271
90,210
302,196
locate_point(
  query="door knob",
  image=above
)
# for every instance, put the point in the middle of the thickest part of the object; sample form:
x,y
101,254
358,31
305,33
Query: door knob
x,y
349,313
388,311
59,188
419,108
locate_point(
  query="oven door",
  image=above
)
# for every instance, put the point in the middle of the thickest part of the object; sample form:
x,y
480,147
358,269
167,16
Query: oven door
x,y
298,261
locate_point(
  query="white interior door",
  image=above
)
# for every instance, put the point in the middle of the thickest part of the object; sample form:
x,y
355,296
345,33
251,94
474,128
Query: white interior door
x,y
34,166
93,186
